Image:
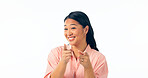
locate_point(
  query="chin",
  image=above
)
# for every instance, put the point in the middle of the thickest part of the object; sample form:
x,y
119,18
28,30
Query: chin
x,y
71,43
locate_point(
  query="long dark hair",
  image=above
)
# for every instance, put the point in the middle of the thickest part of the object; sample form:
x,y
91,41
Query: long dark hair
x,y
83,19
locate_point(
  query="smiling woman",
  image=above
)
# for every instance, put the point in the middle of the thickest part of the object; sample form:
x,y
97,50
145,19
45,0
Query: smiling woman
x,y
83,59
74,32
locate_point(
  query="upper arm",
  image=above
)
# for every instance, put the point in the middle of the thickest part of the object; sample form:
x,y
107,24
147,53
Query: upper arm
x,y
53,60
100,68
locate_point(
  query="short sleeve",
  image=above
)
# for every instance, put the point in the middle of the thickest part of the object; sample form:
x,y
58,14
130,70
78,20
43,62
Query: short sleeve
x,y
101,69
53,60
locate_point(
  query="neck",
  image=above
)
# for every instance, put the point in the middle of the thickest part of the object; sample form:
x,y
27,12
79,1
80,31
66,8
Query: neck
x,y
81,46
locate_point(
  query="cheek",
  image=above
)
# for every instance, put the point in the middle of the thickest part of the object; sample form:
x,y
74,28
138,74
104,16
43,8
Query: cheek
x,y
78,33
64,33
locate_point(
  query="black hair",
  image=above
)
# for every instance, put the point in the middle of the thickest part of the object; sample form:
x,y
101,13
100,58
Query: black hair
x,y
83,19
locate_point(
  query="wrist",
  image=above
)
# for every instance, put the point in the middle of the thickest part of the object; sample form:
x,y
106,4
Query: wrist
x,y
89,67
63,62
88,72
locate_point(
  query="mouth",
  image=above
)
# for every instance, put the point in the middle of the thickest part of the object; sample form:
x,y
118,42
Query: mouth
x,y
71,38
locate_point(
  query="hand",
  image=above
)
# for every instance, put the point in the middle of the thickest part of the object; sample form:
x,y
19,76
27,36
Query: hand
x,y
66,54
84,59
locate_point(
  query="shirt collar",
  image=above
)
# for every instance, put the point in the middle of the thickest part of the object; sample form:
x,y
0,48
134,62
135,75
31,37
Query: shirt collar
x,y
88,49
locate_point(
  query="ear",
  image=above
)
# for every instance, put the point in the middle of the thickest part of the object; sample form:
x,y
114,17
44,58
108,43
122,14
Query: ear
x,y
86,29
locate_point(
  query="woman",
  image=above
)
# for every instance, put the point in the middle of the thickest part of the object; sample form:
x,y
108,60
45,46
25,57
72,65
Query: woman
x,y
80,59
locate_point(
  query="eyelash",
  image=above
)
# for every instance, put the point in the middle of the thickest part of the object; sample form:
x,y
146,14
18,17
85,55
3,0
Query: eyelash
x,y
71,28
65,29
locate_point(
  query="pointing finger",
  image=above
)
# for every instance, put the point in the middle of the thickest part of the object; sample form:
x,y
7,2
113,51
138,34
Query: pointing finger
x,y
85,53
80,52
65,48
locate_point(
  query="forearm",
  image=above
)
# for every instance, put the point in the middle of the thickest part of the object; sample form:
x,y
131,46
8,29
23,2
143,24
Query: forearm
x,y
88,72
59,71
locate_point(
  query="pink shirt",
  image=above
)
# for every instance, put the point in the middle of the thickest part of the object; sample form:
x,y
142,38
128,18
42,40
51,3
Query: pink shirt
x,y
74,67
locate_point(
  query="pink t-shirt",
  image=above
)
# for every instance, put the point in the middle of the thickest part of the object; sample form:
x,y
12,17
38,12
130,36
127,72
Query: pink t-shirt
x,y
74,69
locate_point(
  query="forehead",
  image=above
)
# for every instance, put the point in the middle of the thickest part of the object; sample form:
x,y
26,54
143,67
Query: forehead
x,y
71,21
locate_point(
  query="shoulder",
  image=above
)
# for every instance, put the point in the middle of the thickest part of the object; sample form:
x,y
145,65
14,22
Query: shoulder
x,y
55,55
97,58
57,51
96,55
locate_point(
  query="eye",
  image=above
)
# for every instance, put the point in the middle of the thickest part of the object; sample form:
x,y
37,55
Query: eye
x,y
73,28
65,29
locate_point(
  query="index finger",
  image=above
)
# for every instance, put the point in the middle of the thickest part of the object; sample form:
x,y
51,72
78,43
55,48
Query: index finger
x,y
65,48
80,52
85,53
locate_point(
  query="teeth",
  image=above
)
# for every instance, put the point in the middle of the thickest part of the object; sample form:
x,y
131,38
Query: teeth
x,y
70,38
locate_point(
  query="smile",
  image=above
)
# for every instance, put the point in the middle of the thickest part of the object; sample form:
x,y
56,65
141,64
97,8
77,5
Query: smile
x,y
71,38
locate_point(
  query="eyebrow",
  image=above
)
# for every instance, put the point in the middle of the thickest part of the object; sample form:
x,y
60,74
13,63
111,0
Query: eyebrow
x,y
71,25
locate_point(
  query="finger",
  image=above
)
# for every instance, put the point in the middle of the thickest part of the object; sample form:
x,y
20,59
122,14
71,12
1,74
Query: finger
x,y
65,48
67,51
68,57
81,57
68,54
82,60
85,53
68,47
80,52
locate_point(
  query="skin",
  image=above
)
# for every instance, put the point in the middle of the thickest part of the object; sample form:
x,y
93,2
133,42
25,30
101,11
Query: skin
x,y
73,29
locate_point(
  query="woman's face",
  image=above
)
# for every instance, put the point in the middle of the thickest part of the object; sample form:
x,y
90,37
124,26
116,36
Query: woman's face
x,y
74,32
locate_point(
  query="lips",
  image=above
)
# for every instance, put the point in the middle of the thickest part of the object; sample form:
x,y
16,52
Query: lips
x,y
71,38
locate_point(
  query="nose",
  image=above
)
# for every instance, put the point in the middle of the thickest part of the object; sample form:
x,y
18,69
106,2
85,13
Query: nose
x,y
69,33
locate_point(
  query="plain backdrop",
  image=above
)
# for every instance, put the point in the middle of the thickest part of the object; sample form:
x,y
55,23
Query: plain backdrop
x,y
29,29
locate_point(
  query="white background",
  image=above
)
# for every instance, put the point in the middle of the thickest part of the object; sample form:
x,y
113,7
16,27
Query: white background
x,y
29,29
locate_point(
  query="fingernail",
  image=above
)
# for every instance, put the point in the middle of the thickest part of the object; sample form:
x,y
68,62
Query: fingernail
x,y
69,47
